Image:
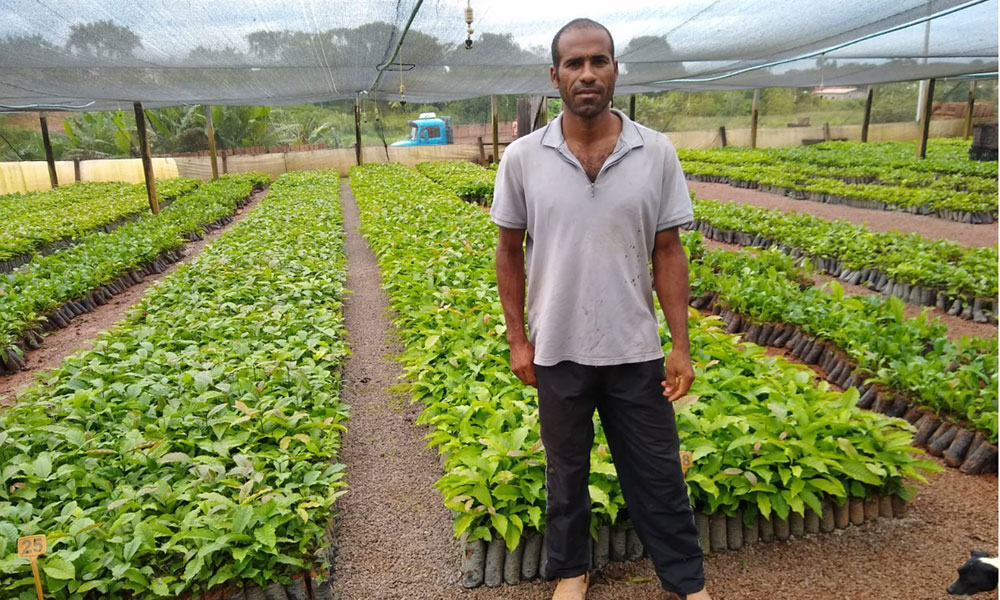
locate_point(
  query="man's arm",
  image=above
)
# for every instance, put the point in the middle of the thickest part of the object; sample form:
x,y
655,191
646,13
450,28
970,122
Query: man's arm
x,y
670,278
510,283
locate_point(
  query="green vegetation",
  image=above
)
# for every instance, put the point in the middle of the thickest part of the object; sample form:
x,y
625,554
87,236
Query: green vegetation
x,y
879,175
766,439
192,445
879,159
31,221
467,180
45,283
941,265
913,357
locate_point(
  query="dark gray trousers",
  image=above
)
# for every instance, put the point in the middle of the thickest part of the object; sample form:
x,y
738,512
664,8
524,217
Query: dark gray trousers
x,y
642,436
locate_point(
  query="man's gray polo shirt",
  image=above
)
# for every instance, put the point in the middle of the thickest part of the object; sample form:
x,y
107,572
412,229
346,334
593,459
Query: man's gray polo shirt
x,y
590,296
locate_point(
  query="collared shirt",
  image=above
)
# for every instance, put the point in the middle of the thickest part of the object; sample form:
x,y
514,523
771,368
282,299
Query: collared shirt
x,y
589,244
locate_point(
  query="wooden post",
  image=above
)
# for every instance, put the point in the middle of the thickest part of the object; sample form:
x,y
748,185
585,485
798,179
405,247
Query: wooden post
x,y
225,167
47,143
631,107
967,130
722,135
542,116
482,152
525,119
147,162
868,114
753,119
496,141
826,132
357,131
210,132
76,169
925,119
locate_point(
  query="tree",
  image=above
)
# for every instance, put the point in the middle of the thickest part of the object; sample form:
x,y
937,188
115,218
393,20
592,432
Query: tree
x,y
777,101
101,135
103,39
648,58
29,50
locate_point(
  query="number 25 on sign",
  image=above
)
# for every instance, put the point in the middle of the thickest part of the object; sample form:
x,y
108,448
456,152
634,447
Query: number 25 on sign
x,y
31,547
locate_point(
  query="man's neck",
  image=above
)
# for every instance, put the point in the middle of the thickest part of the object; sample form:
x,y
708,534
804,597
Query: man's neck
x,y
585,131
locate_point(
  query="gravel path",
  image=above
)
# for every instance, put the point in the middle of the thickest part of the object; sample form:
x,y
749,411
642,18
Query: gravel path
x,y
84,329
394,539
394,533
877,220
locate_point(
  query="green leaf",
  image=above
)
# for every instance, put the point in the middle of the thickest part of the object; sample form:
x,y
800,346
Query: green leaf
x,y
241,518
58,568
265,535
42,466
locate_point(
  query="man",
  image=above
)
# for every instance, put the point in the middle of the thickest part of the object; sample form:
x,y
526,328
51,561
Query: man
x,y
598,196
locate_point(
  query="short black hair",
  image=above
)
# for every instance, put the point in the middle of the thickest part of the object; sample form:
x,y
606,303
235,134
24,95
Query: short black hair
x,y
582,23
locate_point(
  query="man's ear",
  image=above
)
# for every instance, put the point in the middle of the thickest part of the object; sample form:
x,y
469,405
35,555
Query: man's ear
x,y
616,66
554,76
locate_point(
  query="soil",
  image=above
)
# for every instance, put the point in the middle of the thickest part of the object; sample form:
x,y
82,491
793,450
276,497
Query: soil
x,y
877,220
84,329
394,539
957,326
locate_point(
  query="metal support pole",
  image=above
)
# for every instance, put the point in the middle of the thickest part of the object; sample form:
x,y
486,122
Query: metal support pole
x,y
722,135
147,162
967,130
925,120
868,114
357,131
47,143
631,107
496,126
753,119
210,132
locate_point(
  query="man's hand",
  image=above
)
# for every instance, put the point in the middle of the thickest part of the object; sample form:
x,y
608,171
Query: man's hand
x,y
680,375
522,362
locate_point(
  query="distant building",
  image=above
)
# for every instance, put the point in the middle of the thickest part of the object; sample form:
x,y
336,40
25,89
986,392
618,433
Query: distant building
x,y
841,93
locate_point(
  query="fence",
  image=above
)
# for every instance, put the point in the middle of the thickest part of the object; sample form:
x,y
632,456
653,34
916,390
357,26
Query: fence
x,y
33,175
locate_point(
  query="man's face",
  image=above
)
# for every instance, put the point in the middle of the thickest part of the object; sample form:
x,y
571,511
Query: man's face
x,y
587,71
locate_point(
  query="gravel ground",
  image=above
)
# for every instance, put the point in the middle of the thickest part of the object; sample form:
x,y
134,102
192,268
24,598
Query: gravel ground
x,y
394,538
877,220
82,330
394,533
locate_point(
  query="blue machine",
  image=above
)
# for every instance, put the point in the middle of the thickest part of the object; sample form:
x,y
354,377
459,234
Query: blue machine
x,y
429,130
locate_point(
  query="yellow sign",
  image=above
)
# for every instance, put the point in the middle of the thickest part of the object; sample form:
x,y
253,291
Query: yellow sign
x,y
686,461
31,547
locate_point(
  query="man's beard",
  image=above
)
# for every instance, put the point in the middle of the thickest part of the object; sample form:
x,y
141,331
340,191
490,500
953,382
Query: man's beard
x,y
588,109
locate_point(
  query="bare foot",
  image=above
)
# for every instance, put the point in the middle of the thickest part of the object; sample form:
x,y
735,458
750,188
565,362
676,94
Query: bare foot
x,y
573,588
700,595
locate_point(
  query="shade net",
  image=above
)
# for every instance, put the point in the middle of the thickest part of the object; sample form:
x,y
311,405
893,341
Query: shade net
x,y
105,54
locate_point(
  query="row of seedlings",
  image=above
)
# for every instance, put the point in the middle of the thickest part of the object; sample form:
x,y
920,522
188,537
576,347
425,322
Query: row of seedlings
x,y
760,450
468,181
192,450
960,281
902,367
50,291
872,176
895,163
41,223
929,202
